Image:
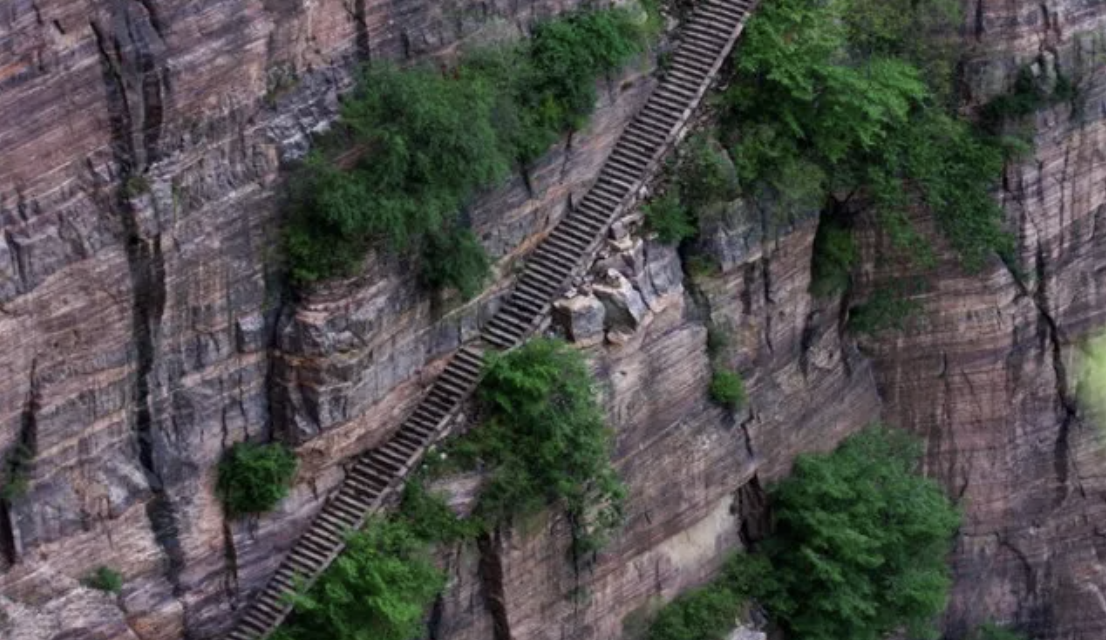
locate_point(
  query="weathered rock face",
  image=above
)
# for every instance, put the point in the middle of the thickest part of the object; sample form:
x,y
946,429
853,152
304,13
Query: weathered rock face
x,y
145,328
141,303
985,373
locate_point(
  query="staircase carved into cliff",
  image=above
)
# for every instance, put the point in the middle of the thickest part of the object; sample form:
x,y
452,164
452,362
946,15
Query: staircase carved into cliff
x,y
376,475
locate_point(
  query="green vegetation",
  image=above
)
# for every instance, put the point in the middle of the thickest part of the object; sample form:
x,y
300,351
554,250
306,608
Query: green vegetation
x,y
703,176
852,97
991,631
412,147
544,441
860,542
835,253
135,186
1029,95
104,579
253,478
709,613
669,218
378,589
15,473
703,614
454,258
885,309
727,389
858,551
1090,378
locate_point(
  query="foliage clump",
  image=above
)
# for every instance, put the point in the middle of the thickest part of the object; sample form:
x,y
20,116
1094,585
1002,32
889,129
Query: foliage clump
x,y
835,253
859,542
412,147
885,309
710,612
104,579
845,97
704,176
378,589
544,441
857,551
669,218
15,472
253,478
727,389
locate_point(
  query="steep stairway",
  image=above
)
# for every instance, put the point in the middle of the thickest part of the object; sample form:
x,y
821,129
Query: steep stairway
x,y
705,41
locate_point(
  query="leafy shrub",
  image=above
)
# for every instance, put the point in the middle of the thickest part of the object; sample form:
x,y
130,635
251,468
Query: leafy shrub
x,y
669,218
15,472
886,309
706,175
832,98
727,389
429,518
423,143
544,441
858,551
566,55
104,579
700,265
378,589
253,478
454,259
835,253
1026,97
135,186
860,542
708,613
718,340
412,146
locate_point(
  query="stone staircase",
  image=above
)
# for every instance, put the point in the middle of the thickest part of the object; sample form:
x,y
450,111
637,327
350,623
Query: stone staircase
x,y
705,41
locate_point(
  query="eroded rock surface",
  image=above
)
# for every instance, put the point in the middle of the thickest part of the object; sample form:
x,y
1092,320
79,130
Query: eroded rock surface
x,y
146,327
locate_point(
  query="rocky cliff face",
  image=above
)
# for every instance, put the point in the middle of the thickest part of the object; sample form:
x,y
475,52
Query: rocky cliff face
x,y
146,328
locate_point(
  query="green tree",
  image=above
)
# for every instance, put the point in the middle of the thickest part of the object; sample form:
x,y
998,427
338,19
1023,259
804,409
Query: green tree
x,y
412,146
860,542
378,589
253,478
831,99
545,441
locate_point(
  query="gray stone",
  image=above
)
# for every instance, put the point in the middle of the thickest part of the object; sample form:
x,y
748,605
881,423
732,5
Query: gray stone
x,y
745,633
582,318
625,308
250,333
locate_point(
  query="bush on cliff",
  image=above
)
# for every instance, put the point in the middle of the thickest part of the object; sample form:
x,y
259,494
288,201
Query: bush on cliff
x,y
727,389
847,98
378,589
544,441
413,146
253,478
859,542
857,551
104,579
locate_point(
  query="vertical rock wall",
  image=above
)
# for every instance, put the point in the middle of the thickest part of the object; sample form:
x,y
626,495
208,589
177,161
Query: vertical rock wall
x,y
985,374
145,327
